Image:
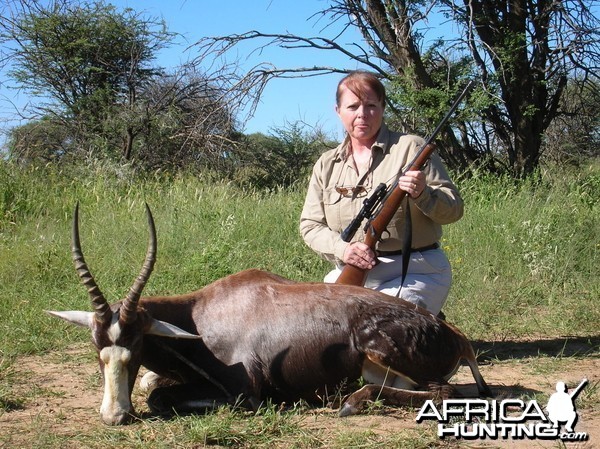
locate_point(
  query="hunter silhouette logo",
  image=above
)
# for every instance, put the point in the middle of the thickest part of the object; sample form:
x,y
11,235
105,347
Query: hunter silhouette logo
x,y
508,418
561,406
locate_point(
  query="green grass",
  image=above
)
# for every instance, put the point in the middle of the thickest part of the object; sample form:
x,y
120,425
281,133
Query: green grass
x,y
230,428
205,231
526,257
526,260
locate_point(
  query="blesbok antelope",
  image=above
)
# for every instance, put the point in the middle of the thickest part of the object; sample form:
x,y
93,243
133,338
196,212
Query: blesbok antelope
x,y
255,335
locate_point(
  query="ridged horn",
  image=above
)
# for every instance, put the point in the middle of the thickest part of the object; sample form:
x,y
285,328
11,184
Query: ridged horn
x,y
128,311
101,307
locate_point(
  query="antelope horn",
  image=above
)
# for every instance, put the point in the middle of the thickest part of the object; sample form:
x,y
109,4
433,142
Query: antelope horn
x,y
129,307
101,306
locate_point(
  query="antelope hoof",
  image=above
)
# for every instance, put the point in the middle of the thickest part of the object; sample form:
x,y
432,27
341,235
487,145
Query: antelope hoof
x,y
349,409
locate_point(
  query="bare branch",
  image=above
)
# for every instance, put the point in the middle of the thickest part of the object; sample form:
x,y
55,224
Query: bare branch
x,y
245,87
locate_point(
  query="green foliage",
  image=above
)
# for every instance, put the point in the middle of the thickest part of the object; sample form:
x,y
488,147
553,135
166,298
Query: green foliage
x,y
82,55
8,401
528,249
90,62
280,159
39,142
421,105
20,193
206,230
575,134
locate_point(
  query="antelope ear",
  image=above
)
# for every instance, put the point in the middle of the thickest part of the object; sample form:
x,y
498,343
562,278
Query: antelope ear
x,y
164,329
84,319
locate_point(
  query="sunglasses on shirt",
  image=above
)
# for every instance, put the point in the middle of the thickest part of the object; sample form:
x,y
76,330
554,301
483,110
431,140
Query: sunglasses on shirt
x,y
352,191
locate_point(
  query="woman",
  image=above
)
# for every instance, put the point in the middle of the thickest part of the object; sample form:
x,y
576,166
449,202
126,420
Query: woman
x,y
343,177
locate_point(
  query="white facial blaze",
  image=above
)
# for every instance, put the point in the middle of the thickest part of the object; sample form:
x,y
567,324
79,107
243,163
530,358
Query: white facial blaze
x,y
116,403
114,331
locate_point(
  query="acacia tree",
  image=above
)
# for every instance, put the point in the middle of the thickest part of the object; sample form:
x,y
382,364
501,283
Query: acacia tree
x,y
580,121
95,65
526,51
85,59
522,52
70,50
185,121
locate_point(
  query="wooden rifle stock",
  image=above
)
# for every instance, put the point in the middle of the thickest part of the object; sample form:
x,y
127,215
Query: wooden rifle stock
x,y
352,275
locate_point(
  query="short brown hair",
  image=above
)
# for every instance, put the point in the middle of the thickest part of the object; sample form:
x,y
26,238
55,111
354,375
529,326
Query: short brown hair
x,y
358,81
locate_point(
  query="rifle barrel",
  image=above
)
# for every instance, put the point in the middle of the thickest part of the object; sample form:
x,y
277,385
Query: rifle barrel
x,y
577,390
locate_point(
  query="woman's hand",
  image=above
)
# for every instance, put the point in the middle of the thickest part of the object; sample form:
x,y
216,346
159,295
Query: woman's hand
x,y
413,182
360,255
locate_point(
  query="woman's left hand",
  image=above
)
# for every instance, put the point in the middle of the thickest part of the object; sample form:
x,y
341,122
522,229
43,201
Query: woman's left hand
x,y
413,182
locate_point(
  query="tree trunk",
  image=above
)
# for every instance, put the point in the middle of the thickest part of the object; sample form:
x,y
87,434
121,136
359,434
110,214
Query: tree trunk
x,y
128,144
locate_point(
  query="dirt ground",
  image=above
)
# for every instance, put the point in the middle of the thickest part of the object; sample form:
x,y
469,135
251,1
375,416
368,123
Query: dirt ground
x,y
62,391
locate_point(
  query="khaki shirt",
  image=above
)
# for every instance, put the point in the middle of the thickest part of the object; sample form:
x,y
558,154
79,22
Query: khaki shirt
x,y
327,213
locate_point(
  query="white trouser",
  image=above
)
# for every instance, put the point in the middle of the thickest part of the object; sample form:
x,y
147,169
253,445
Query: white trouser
x,y
427,283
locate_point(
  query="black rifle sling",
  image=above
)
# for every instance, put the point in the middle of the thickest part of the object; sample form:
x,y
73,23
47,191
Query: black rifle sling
x,y
406,244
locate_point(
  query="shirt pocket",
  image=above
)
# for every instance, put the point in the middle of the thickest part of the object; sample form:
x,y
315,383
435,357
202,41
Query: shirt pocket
x,y
331,200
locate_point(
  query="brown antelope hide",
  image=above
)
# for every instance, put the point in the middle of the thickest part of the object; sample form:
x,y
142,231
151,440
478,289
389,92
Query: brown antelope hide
x,y
255,335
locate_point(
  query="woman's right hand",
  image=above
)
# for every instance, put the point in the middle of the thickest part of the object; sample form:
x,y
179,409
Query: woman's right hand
x,y
359,255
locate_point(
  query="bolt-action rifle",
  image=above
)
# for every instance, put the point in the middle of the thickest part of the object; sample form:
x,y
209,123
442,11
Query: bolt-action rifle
x,y
385,201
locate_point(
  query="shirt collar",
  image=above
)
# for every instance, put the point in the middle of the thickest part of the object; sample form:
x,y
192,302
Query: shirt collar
x,y
381,143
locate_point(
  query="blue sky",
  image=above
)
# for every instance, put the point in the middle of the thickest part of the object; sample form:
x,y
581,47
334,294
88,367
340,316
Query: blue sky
x,y
310,100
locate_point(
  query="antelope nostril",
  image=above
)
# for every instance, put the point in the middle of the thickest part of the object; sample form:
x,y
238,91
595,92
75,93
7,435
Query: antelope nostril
x,y
126,356
118,419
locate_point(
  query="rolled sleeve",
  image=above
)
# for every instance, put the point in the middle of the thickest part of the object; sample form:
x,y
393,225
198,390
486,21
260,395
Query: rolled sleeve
x,y
440,201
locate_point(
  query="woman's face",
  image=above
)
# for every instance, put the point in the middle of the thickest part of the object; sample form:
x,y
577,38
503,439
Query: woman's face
x,y
361,118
